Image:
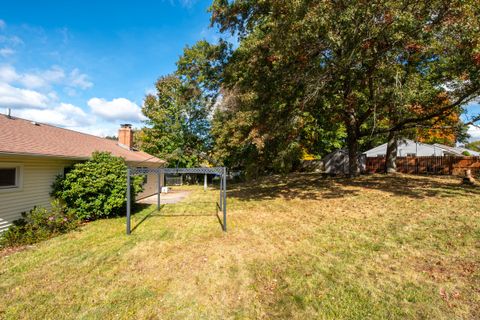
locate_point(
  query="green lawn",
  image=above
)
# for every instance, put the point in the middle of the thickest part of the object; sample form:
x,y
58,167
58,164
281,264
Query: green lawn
x,y
298,247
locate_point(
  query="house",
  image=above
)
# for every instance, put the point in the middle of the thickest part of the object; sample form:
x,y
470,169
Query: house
x,y
32,154
457,151
410,148
337,161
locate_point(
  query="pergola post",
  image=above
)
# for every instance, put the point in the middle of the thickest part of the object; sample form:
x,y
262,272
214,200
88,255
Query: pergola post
x,y
129,202
217,171
224,207
221,191
159,190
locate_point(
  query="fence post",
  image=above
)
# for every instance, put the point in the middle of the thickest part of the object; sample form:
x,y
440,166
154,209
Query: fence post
x,y
128,201
205,182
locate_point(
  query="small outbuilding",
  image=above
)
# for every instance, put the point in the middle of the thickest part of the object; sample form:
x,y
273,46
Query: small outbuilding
x,y
337,162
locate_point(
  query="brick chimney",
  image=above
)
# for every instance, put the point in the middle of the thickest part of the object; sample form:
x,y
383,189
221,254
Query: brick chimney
x,y
125,136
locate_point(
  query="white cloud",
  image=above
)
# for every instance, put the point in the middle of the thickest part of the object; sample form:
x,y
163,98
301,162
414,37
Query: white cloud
x,y
150,90
53,96
64,115
99,129
32,81
65,33
32,93
103,119
79,80
210,34
45,78
116,109
42,79
70,91
12,97
5,52
54,75
184,3
8,74
12,40
474,133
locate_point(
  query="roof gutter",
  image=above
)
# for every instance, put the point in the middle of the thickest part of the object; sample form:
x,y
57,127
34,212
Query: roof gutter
x,y
54,156
41,155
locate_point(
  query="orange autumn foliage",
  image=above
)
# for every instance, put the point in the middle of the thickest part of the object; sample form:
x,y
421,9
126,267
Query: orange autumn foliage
x,y
442,131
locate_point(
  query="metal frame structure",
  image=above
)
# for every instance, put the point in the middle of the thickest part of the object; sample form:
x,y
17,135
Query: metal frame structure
x,y
217,171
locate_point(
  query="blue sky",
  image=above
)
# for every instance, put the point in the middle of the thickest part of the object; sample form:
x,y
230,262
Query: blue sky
x,y
87,65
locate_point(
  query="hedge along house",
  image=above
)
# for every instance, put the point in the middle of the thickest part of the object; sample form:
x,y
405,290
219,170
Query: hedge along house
x,y
32,154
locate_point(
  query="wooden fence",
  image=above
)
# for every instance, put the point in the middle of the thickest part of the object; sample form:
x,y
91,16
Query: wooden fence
x,y
427,165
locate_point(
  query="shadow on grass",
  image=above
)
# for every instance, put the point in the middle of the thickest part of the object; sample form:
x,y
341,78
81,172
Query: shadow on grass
x,y
139,207
318,186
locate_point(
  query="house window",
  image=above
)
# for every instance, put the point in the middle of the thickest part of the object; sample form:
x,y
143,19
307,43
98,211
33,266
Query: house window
x,y
9,176
411,154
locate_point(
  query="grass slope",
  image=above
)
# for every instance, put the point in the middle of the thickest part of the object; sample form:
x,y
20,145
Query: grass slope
x,y
298,247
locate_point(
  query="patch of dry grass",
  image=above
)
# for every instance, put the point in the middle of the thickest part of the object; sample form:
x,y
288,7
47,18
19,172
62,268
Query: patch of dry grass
x,y
300,246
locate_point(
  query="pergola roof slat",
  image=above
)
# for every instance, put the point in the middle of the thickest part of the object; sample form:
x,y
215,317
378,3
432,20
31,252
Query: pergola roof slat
x,y
213,170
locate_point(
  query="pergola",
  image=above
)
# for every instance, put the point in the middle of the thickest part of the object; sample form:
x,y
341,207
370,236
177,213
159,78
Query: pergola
x,y
217,171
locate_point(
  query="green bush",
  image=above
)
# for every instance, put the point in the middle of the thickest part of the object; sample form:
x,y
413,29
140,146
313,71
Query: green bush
x,y
466,153
37,225
96,188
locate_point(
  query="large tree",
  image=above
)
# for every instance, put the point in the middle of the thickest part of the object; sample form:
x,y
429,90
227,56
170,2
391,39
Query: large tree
x,y
377,67
177,126
180,112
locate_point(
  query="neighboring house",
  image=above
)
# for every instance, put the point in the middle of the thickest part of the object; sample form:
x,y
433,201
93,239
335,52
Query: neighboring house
x,y
32,154
457,151
337,161
410,148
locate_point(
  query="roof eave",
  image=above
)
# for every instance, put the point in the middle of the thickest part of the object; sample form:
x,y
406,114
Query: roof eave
x,y
65,157
41,155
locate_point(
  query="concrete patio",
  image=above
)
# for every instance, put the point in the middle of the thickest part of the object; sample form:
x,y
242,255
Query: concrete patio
x,y
173,196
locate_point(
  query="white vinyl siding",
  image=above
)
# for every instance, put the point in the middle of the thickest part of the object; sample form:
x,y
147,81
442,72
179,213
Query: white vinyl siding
x,y
151,186
37,176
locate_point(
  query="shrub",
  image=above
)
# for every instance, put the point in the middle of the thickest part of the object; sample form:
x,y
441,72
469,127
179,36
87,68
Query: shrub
x,y
96,188
37,225
466,153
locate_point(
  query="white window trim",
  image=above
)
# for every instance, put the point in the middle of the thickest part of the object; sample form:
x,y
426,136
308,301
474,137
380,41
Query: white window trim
x,y
19,177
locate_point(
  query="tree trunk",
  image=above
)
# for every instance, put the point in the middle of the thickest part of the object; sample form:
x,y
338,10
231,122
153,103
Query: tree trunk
x,y
352,143
391,156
